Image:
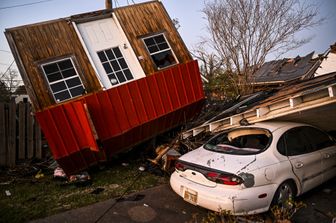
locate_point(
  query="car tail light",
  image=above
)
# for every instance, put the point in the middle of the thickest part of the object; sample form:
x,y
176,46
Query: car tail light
x,y
180,166
226,179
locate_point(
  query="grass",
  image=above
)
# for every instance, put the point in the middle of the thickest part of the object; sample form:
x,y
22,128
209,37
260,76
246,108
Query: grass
x,y
33,198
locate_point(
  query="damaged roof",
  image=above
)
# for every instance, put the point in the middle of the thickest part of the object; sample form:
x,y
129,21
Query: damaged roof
x,y
287,69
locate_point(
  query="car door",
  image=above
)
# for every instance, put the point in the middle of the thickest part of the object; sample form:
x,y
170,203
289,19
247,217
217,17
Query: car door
x,y
306,163
322,142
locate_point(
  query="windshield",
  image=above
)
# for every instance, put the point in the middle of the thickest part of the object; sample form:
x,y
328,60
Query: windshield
x,y
241,141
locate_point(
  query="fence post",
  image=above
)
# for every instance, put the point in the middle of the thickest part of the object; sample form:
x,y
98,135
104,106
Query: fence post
x,y
3,135
22,131
30,132
11,152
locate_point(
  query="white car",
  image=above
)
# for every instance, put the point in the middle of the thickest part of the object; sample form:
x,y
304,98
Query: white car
x,y
248,169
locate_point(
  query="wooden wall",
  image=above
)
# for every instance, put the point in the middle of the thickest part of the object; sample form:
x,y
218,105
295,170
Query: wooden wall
x,y
146,19
44,42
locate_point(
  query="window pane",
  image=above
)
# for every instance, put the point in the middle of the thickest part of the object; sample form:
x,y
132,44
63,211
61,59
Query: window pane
x,y
54,77
122,63
113,79
318,139
61,96
296,143
58,86
117,52
69,73
77,91
115,65
102,56
107,68
149,41
110,54
73,82
163,46
50,68
120,76
65,64
164,59
128,74
159,39
153,49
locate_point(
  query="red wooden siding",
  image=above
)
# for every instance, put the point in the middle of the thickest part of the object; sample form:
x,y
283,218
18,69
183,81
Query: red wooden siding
x,y
122,116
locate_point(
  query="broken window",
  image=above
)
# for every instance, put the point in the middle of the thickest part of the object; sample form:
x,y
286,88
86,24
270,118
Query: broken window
x,y
240,141
63,79
115,65
160,51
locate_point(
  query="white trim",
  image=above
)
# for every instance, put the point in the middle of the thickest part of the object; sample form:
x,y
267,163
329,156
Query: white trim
x,y
140,72
160,51
63,79
87,53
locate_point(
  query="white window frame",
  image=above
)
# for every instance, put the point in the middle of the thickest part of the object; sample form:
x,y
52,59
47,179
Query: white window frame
x,y
160,51
63,79
113,71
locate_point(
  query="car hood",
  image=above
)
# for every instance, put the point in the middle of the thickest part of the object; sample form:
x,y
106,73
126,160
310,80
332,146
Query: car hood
x,y
234,164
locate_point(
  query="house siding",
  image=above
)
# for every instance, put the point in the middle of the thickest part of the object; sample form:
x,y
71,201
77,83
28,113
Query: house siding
x,y
45,42
147,19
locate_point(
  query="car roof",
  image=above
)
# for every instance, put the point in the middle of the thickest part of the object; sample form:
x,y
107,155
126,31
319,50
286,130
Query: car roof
x,y
274,125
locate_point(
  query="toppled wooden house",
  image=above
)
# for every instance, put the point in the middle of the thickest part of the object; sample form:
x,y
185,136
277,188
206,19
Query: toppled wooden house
x,y
103,81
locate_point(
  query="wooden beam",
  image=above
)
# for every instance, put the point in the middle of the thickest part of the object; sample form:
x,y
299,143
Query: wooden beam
x,y
332,91
293,102
262,111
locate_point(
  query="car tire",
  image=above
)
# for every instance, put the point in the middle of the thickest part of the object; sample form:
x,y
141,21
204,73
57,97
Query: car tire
x,y
284,195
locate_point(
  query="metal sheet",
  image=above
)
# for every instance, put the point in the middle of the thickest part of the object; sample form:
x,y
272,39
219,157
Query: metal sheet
x,y
122,116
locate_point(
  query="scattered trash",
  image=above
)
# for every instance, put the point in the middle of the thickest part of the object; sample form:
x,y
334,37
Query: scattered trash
x,y
142,168
8,193
169,159
125,164
82,179
146,205
98,190
39,175
59,174
184,212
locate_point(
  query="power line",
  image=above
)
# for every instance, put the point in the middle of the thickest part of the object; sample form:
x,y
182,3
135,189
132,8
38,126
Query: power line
x,y
31,3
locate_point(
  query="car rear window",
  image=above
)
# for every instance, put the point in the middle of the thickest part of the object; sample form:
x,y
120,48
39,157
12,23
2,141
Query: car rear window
x,y
241,141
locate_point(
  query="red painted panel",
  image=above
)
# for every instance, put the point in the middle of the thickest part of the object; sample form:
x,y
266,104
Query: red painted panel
x,y
164,93
120,113
187,83
147,99
96,112
122,116
172,88
155,95
128,105
180,85
138,101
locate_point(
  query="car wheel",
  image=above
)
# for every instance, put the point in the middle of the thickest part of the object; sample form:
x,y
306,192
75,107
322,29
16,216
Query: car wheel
x,y
284,195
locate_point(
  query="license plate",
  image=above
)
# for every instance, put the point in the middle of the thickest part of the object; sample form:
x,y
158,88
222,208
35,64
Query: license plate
x,y
190,196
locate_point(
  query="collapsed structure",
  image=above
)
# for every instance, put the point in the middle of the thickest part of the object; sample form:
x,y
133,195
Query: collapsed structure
x,y
103,81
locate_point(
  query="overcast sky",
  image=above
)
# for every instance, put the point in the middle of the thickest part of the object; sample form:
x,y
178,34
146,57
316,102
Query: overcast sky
x,y
188,12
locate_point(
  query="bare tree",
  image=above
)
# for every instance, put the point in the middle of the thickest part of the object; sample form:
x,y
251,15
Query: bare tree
x,y
244,32
9,81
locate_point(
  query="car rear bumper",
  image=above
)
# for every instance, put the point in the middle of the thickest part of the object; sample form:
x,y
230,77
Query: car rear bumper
x,y
234,199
